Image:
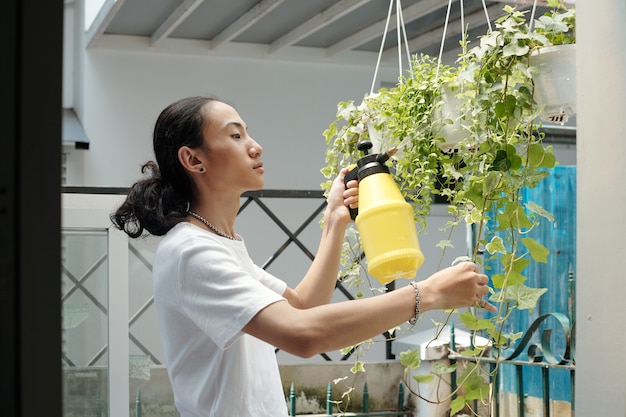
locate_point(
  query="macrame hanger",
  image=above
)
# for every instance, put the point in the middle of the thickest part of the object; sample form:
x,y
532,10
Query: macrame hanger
x,y
382,46
443,40
404,37
401,34
463,34
532,17
399,38
487,16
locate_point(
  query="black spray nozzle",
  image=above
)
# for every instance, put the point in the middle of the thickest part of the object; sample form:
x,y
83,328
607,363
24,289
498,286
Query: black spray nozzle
x,y
368,165
382,157
364,146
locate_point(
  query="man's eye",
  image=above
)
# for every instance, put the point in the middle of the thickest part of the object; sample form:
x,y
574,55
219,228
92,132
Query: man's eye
x,y
236,136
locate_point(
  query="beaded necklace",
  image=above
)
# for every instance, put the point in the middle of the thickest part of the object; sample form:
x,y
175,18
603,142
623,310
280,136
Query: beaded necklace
x,y
211,226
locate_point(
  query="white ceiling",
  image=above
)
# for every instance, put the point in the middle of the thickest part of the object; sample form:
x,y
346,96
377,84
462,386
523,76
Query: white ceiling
x,y
330,30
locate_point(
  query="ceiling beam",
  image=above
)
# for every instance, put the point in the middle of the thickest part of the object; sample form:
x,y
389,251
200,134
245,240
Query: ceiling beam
x,y
317,22
106,14
248,19
374,31
177,17
531,2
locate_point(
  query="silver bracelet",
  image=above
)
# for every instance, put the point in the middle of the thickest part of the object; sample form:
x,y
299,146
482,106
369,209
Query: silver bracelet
x,y
415,318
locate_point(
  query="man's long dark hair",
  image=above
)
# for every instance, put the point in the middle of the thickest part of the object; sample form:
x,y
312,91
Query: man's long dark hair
x,y
160,200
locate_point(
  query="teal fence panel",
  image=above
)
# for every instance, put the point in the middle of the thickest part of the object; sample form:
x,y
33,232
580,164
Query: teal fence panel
x,y
557,194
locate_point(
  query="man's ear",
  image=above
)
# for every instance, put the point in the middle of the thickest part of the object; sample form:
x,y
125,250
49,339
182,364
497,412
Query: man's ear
x,y
189,160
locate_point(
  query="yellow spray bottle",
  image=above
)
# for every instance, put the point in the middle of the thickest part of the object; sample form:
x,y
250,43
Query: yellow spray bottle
x,y
384,220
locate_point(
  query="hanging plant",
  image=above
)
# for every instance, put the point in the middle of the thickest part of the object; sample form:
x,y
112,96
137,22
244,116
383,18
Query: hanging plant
x,y
496,153
555,61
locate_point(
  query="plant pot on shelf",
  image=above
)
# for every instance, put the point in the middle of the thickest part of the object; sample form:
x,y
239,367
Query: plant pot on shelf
x,y
555,82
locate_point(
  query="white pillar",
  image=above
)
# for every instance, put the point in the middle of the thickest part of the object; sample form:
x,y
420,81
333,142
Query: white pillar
x,y
601,205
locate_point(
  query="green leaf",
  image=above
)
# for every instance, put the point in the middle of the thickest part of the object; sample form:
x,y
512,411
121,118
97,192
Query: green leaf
x,y
538,252
473,352
424,379
445,244
491,182
514,216
501,161
514,157
411,359
440,368
511,104
496,245
523,297
358,367
475,195
500,109
515,49
457,405
476,388
549,161
512,278
540,157
532,177
497,280
472,322
516,161
536,153
536,208
515,264
474,217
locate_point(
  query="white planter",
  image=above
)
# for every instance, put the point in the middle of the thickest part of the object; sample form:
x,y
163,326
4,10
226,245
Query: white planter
x,y
447,121
555,85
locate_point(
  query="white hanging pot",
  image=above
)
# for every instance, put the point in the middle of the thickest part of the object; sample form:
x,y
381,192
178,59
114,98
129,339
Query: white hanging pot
x,y
452,124
555,83
447,121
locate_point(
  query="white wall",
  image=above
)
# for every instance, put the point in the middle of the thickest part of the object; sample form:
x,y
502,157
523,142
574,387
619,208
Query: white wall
x,y
287,106
601,198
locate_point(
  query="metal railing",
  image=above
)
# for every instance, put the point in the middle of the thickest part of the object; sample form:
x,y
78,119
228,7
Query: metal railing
x,y
533,352
251,198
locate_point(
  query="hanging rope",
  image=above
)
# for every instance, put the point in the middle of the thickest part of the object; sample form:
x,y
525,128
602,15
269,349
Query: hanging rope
x,y
532,17
398,35
443,40
487,15
382,46
463,34
401,34
406,41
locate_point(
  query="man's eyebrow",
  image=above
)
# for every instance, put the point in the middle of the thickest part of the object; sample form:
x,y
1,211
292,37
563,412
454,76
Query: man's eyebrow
x,y
237,124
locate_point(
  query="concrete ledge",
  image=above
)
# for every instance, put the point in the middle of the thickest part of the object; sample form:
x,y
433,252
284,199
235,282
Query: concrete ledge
x,y
311,382
86,389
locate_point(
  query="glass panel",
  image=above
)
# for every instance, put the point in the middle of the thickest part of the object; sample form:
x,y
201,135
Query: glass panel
x,y
85,322
149,385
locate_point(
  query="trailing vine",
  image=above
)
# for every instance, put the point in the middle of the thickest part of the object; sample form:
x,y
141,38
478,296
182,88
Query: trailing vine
x,y
480,177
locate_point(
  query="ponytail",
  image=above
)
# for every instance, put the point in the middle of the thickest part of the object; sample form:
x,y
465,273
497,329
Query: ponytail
x,y
151,206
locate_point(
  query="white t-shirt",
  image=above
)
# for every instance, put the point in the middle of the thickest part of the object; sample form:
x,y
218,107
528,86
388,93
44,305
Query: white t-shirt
x,y
206,289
